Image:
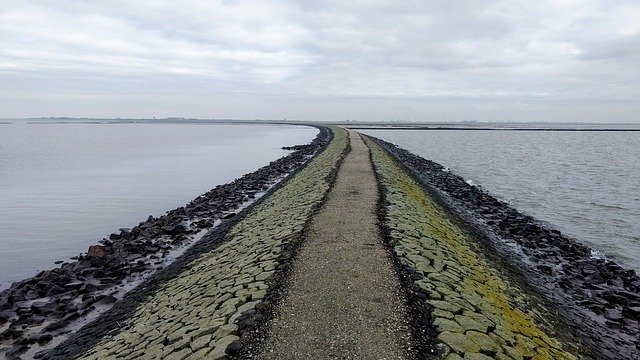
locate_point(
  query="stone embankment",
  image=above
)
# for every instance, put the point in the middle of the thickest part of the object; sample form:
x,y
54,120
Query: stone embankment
x,y
474,279
201,305
35,312
507,276
474,308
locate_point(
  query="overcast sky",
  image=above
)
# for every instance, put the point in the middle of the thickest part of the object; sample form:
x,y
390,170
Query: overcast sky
x,y
536,60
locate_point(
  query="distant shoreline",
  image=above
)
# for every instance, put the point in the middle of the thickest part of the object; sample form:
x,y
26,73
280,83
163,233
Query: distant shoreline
x,y
483,128
364,125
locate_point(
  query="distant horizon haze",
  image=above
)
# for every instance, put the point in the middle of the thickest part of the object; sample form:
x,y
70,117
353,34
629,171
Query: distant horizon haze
x,y
437,61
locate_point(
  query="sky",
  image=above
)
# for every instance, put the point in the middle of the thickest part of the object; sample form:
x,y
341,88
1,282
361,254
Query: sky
x,y
377,60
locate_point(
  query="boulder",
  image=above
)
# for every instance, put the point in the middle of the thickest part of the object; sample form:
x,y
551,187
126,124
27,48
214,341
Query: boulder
x,y
98,251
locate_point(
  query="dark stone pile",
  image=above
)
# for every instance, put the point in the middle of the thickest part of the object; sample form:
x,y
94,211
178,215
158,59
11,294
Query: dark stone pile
x,y
54,298
598,299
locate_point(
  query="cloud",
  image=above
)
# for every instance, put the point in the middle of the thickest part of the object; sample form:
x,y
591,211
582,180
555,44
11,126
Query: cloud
x,y
569,54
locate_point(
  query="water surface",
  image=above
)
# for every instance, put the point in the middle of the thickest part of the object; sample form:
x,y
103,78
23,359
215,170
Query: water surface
x,y
65,186
586,184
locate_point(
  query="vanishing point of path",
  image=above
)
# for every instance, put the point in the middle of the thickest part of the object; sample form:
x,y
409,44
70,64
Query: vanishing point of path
x,y
344,299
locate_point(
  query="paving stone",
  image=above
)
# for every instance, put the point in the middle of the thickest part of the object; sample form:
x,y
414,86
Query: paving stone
x,y
443,324
200,354
477,356
458,342
439,313
446,306
484,341
453,356
512,352
220,347
179,354
200,342
468,323
264,275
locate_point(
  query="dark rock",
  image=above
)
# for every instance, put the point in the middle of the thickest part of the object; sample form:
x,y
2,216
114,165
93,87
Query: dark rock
x,y
74,285
53,289
35,320
43,308
6,315
15,352
233,348
86,303
70,317
632,312
229,215
173,229
56,325
31,295
44,338
106,299
88,288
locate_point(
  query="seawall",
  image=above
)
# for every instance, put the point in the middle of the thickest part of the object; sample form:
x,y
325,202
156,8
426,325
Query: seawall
x,y
38,312
590,305
478,279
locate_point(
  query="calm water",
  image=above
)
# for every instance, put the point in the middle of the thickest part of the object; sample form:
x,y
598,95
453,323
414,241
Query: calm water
x,y
587,184
65,186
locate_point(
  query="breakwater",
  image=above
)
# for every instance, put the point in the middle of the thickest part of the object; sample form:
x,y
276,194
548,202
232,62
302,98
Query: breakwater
x,y
36,312
206,301
593,303
474,278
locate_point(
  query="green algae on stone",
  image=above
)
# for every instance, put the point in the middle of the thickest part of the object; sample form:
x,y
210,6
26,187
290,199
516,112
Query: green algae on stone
x,y
194,314
465,289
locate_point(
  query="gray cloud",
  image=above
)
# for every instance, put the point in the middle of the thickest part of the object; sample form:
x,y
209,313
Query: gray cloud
x,y
564,60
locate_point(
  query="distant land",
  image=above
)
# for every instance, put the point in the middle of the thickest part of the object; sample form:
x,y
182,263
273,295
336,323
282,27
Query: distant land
x,y
354,124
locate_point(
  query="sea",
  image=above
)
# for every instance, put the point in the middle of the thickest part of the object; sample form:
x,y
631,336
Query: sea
x,y
584,183
66,185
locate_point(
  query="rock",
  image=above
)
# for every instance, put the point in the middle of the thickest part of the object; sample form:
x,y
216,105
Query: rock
x,y
458,342
44,338
53,289
5,316
233,348
54,326
632,312
43,308
173,229
14,353
31,295
98,251
105,300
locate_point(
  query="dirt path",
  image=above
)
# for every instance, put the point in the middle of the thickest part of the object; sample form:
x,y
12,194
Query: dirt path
x,y
344,300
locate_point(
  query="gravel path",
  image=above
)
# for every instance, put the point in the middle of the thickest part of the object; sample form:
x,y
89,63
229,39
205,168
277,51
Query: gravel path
x,y
344,299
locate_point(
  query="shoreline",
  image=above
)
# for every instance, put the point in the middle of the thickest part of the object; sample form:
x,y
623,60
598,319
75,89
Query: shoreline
x,y
37,312
597,300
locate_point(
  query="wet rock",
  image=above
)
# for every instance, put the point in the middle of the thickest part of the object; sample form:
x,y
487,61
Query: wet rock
x,y
105,300
44,338
5,316
173,229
